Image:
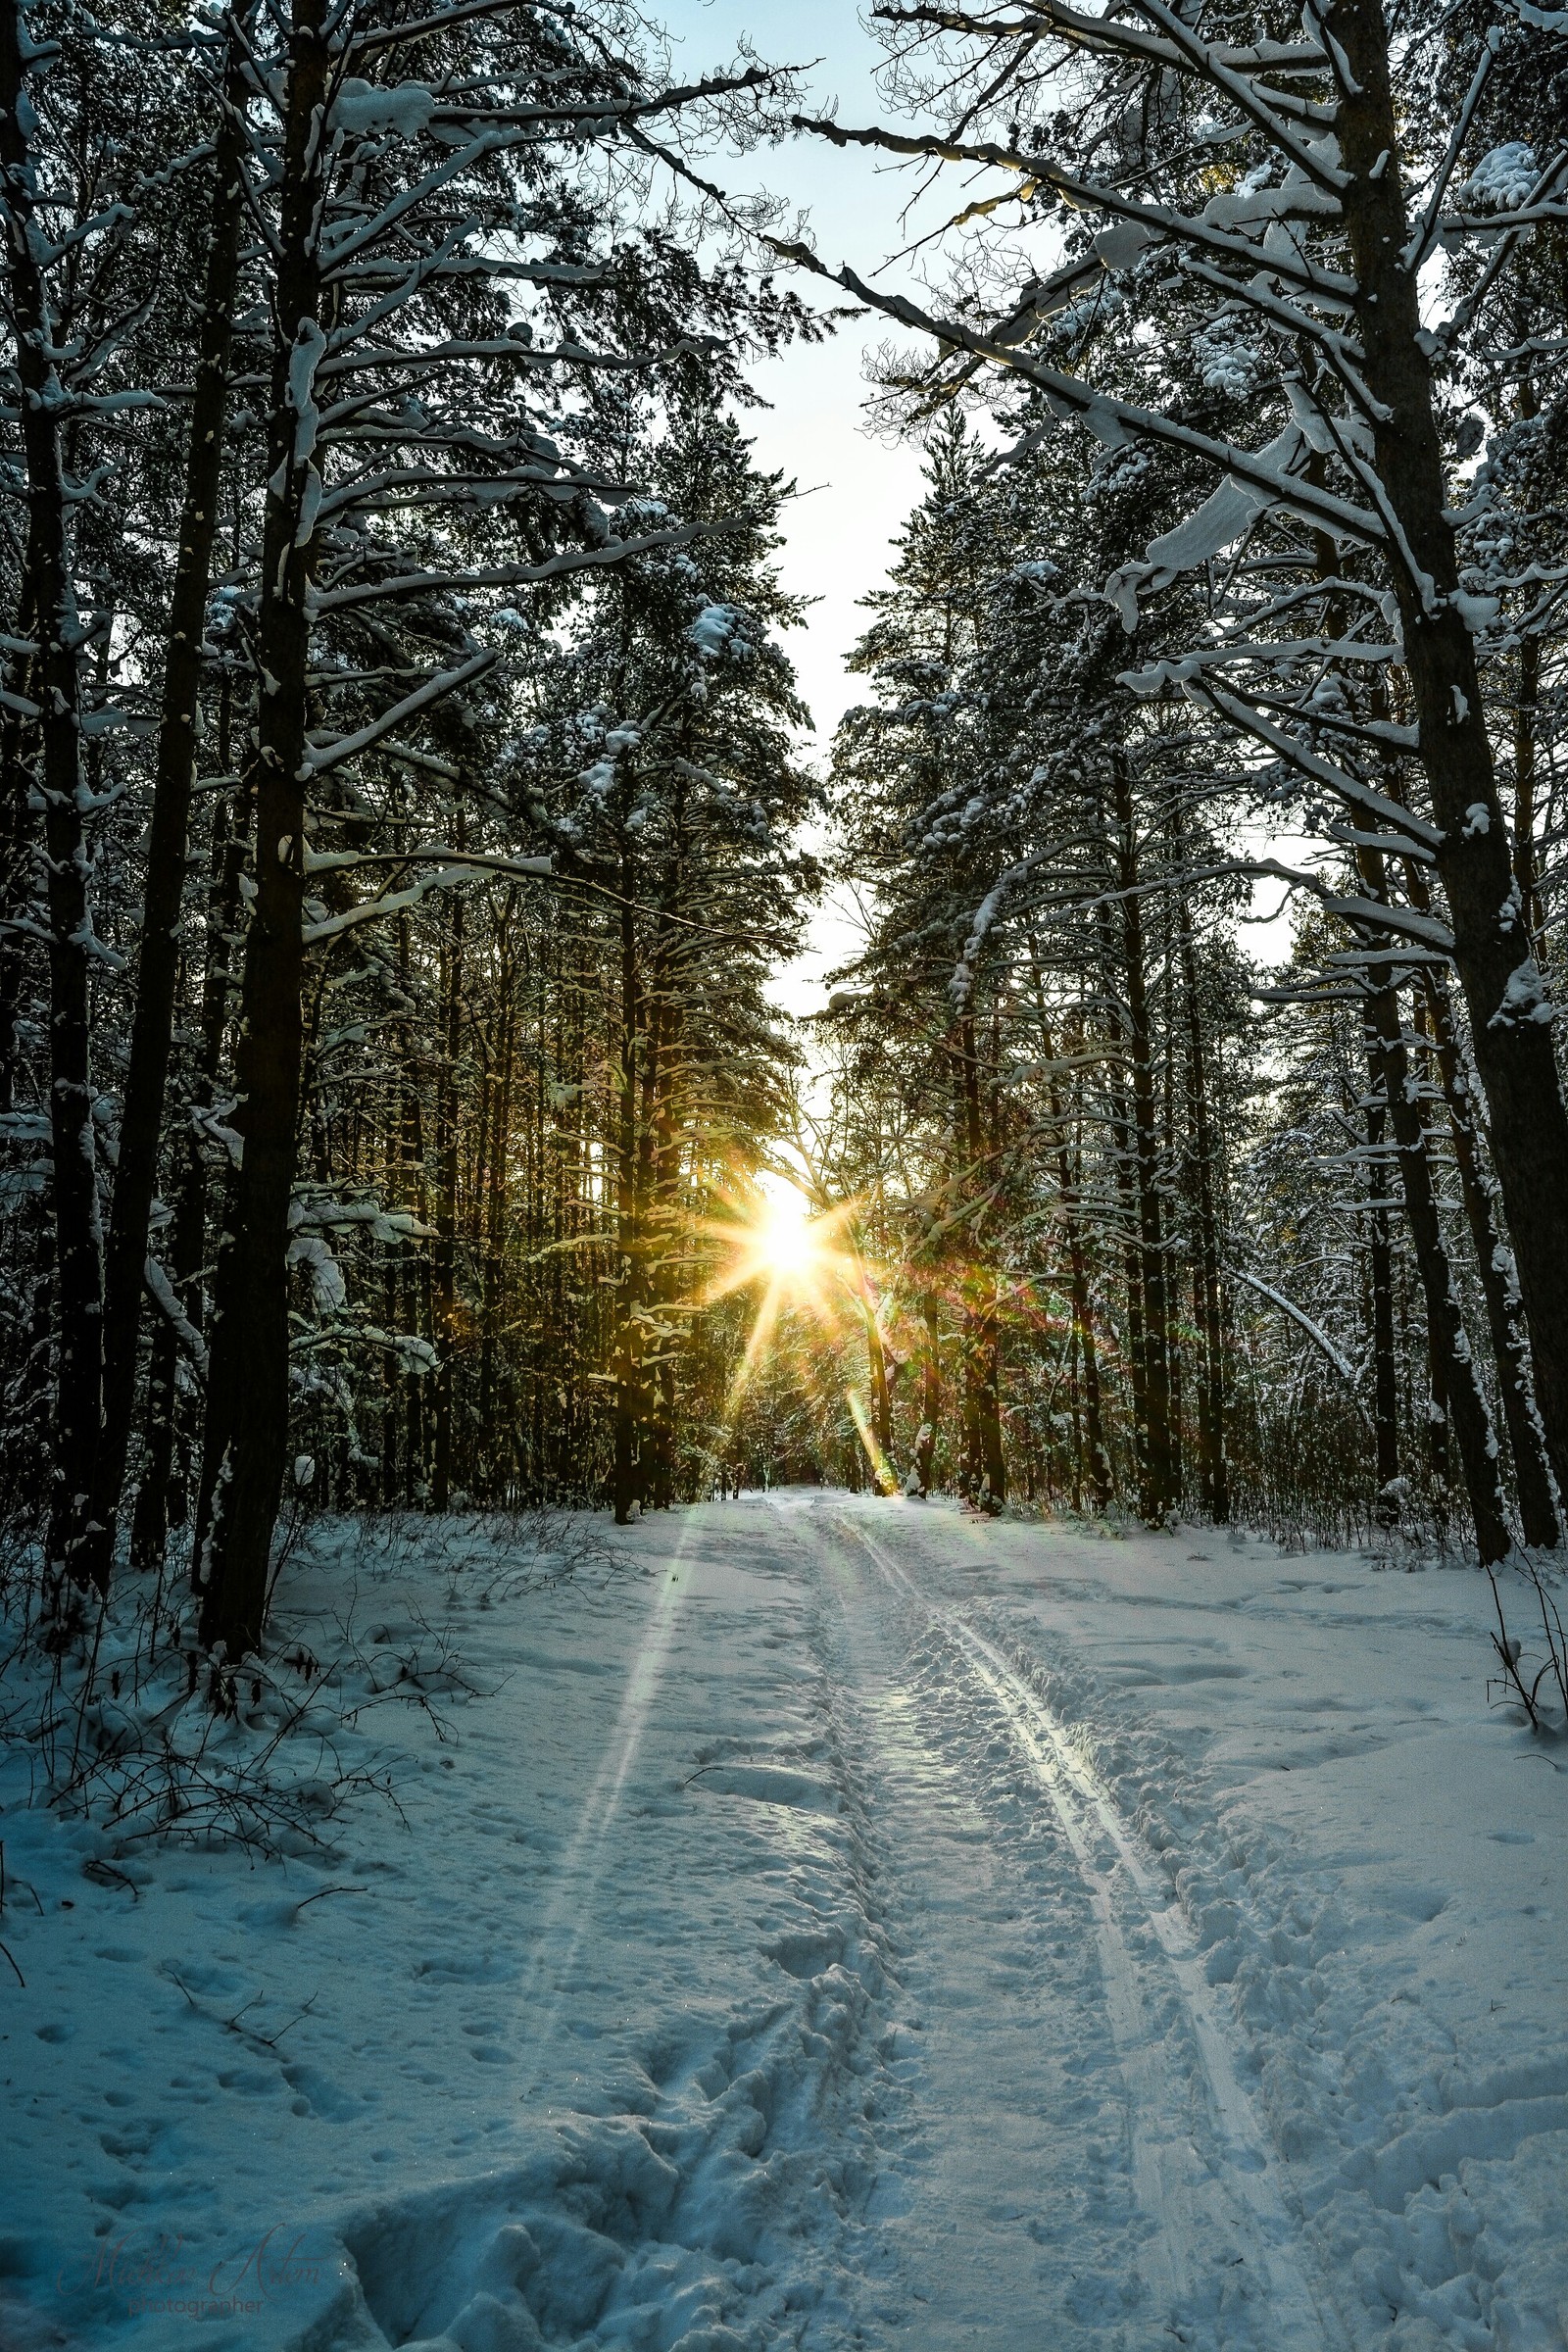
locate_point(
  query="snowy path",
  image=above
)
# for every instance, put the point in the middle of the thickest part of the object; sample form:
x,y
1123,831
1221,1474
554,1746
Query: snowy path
x,y
1204,2248
846,1926
1001,2158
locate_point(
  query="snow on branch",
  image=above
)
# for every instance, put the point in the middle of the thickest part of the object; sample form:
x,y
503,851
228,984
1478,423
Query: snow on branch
x,y
366,738
1207,231
514,575
1112,422
1340,781
1304,1322
1404,921
161,1291
457,866
1260,106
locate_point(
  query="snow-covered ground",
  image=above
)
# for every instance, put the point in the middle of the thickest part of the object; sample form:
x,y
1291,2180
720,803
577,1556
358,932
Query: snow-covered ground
x,y
847,1923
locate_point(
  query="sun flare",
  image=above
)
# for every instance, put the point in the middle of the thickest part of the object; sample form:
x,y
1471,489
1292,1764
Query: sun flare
x,y
786,1246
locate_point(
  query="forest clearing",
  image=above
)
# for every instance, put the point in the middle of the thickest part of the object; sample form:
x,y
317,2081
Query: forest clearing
x,y
784,1174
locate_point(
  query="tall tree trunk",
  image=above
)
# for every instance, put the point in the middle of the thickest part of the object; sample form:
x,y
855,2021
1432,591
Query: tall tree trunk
x,y
1158,1497
1525,722
666,1176
985,1471
1167,1157
665,1163
1380,1164
1385,1378
1537,1511
627,1364
158,966
1527,696
150,1518
1075,1464
495,1226
16,850
1454,1365
49,599
246,1438
1509,1016
1121,1130
444,1255
876,1361
1213,1478
925,1443
161,1487
163,1492
414,1289
1101,1481
655,1437
1456,1390
1068,1156
1068,1197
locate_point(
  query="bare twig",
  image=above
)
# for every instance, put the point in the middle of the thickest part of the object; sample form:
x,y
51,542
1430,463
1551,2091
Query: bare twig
x,y
321,1894
107,1875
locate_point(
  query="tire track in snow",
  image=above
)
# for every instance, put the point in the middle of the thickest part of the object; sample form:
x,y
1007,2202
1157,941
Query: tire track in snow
x,y
1172,2179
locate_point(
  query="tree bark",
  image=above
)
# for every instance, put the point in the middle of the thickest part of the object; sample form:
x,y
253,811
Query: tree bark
x,y
1100,1479
156,1491
16,852
1213,1478
246,1438
626,1366
984,1475
1385,1379
925,1443
666,1182
654,1181
1158,1497
876,1362
1527,695
444,1257
1537,1511
495,1225
1456,1390
1452,1363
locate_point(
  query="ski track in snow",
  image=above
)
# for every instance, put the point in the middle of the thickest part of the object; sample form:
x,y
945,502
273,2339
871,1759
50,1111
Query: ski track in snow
x,y
1174,2183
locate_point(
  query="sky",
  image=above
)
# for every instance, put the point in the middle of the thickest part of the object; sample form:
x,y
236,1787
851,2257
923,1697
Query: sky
x,y
855,489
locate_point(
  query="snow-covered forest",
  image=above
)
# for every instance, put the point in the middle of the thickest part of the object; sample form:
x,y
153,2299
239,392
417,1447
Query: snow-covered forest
x,y
466,1304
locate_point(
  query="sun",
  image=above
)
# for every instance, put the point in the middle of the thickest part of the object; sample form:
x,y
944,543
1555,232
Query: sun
x,y
784,1245
798,1256
780,1242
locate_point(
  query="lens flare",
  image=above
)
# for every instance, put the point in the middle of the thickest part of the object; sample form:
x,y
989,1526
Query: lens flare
x,y
777,1242
787,1244
792,1255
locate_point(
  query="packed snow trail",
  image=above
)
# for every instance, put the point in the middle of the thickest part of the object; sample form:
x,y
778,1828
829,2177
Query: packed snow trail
x,y
837,1926
1206,2215
1214,2257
